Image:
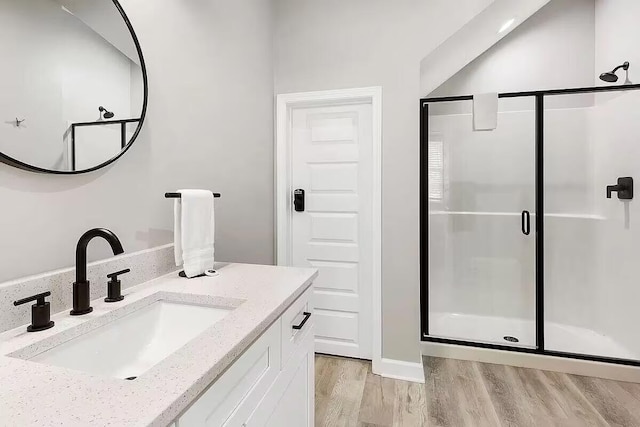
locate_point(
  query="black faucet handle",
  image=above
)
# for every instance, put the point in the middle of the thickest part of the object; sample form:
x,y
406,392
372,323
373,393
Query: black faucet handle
x,y
39,298
40,312
114,276
114,287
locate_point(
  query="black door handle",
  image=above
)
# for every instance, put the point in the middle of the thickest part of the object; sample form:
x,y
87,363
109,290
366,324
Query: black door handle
x,y
298,200
526,223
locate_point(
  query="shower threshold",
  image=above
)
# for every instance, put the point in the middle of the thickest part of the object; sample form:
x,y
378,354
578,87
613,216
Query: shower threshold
x,y
493,330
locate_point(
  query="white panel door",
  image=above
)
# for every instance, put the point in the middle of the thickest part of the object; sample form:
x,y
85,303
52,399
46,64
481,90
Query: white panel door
x,y
332,160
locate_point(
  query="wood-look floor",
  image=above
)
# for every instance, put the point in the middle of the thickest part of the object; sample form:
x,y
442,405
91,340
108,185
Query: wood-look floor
x,y
459,393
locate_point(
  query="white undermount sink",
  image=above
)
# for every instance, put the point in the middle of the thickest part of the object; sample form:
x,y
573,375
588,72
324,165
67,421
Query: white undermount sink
x,y
129,346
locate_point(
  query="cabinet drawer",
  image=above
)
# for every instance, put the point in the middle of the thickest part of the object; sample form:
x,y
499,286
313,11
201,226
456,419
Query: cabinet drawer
x,y
296,322
232,397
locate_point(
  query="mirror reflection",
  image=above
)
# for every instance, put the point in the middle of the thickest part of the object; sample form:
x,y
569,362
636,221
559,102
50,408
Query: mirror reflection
x,y
71,82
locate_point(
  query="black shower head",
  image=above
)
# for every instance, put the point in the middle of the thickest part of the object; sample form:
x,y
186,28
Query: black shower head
x,y
106,113
612,77
609,77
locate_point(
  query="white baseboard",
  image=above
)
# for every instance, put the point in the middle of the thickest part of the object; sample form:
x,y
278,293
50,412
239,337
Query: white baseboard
x,y
400,370
525,360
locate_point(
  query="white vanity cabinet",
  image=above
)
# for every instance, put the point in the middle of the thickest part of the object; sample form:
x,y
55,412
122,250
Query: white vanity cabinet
x,y
270,384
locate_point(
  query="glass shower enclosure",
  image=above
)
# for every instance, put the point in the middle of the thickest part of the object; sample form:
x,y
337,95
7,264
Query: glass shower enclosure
x,y
528,238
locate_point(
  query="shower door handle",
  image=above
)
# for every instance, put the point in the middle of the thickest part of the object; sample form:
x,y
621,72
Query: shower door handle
x,y
526,223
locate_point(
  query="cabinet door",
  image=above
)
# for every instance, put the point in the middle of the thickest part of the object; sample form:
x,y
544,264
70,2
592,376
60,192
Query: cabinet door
x,y
233,396
290,401
296,405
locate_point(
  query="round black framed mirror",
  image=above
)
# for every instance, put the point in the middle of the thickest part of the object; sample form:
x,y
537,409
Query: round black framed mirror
x,y
73,85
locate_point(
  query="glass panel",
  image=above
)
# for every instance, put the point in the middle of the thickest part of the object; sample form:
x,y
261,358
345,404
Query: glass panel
x,y
481,265
591,243
97,143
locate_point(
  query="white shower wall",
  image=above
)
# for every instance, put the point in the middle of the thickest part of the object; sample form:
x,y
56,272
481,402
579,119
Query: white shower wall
x,y
590,275
571,217
617,135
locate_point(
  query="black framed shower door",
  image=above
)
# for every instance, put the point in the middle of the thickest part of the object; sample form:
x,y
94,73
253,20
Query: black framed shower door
x,y
533,223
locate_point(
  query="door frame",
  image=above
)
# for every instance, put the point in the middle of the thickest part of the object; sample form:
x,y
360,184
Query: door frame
x,y
425,335
285,103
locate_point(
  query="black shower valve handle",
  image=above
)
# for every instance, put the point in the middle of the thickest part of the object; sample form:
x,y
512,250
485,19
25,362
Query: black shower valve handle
x,y
624,188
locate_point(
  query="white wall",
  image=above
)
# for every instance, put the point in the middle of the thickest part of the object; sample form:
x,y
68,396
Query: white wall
x,y
105,20
209,125
335,44
476,37
552,49
617,34
60,72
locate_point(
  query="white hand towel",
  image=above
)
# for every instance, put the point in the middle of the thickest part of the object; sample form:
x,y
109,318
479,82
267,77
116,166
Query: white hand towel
x,y
485,111
194,230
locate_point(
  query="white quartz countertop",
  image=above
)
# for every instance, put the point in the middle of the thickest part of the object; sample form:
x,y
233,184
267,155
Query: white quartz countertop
x,y
37,394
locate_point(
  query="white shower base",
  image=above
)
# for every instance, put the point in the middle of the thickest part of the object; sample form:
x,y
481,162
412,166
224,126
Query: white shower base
x,y
558,337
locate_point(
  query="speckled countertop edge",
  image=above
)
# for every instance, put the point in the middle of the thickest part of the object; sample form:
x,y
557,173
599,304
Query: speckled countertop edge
x,y
65,397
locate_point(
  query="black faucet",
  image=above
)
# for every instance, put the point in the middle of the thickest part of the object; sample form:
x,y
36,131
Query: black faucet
x,y
81,294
